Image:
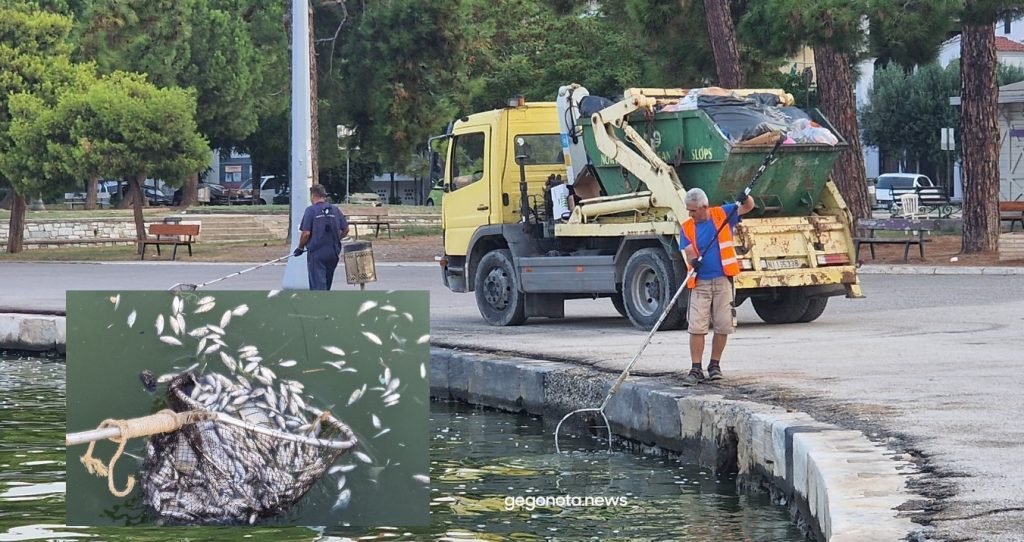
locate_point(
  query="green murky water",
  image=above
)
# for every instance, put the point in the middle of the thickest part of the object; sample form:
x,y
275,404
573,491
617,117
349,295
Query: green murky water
x,y
491,475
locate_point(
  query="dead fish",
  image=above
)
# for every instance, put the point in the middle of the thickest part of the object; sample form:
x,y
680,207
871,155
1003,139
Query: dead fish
x,y
388,308
343,499
212,348
217,329
336,364
387,375
229,362
423,339
170,340
392,386
382,432
341,482
407,316
251,366
347,370
362,457
181,323
372,338
421,478
356,395
367,305
423,370
159,324
199,331
375,420
239,310
272,293
174,326
131,319
288,363
334,350
224,320
204,308
340,468
116,300
177,305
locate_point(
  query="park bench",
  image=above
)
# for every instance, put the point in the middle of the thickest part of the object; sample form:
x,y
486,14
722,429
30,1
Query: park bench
x,y
913,230
169,234
1012,212
369,217
71,200
930,199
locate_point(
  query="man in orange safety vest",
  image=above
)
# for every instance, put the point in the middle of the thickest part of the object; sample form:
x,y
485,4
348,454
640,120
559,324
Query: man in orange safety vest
x,y
711,289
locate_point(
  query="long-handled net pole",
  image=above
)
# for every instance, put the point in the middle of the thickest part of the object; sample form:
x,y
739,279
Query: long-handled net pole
x,y
657,325
190,287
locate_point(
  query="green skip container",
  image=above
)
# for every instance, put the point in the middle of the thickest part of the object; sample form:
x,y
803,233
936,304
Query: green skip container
x,y
703,158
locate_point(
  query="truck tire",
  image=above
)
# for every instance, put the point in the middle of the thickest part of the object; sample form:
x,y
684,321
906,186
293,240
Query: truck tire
x,y
619,304
498,297
648,284
789,307
815,306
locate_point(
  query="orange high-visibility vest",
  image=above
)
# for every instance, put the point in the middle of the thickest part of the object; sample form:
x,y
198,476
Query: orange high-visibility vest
x,y
726,247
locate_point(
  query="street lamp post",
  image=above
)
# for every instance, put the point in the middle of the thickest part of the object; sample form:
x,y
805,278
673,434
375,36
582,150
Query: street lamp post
x,y
344,132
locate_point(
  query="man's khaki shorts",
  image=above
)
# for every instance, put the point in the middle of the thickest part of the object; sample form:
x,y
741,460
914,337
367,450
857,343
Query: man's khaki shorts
x,y
711,303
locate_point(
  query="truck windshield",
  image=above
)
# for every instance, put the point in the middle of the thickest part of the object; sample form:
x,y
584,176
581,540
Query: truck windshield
x,y
541,149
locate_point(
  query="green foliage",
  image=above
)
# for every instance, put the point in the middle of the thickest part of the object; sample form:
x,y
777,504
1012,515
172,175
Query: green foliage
x,y
910,32
907,111
782,27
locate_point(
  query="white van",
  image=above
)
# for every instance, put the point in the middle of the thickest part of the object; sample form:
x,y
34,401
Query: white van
x,y
902,183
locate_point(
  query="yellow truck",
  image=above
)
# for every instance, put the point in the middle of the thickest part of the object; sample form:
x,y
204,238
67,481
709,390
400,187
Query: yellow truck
x,y
537,211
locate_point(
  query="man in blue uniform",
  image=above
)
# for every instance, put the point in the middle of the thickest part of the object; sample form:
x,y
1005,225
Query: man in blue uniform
x,y
323,226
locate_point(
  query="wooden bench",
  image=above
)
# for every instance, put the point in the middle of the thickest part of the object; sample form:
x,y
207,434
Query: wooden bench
x,y
913,228
370,217
1012,212
170,234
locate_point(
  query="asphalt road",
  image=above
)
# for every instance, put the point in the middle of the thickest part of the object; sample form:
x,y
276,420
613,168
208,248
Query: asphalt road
x,y
931,363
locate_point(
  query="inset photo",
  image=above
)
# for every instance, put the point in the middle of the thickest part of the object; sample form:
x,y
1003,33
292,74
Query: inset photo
x,y
247,408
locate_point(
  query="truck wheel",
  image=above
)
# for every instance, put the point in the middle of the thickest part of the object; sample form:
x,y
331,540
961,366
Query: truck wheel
x,y
787,308
815,306
497,290
619,305
648,284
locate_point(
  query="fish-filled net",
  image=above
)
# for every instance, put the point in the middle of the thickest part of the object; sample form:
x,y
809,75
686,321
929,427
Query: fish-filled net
x,y
261,451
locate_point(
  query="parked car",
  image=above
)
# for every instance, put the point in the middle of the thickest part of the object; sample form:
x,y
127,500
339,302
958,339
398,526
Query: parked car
x,y
270,186
104,189
436,193
285,196
901,182
155,196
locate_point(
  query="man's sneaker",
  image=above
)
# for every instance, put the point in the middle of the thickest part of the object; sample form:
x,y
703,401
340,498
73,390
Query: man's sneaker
x,y
696,376
714,372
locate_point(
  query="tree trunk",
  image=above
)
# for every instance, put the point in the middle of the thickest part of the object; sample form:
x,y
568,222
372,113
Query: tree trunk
x,y
980,136
135,195
835,94
314,121
16,228
190,192
723,43
90,193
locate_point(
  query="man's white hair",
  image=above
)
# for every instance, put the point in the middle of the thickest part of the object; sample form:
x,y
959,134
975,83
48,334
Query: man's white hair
x,y
697,197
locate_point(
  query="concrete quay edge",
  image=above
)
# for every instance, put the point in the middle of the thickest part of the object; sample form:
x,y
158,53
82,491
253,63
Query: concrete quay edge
x,y
839,485
33,332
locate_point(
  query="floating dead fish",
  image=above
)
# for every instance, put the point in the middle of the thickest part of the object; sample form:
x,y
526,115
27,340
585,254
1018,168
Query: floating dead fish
x,y
207,307
288,363
240,310
229,362
217,329
347,370
375,420
181,323
382,432
423,339
392,386
201,345
367,305
407,316
131,319
212,348
334,350
272,293
336,364
206,299
174,326
116,300
421,478
170,340
199,331
373,338
423,370
356,395
340,468
226,319
362,457
341,482
343,499
389,308
251,366
159,324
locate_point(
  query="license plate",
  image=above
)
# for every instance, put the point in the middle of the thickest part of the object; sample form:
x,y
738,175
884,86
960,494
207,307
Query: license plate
x,y
781,264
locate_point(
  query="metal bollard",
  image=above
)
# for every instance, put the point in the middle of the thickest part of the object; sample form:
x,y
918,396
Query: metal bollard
x,y
359,265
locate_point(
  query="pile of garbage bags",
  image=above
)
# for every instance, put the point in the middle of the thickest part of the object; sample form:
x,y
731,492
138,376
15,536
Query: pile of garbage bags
x,y
745,118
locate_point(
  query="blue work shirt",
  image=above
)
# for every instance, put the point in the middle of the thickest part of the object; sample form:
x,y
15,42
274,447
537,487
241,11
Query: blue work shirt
x,y
711,264
324,222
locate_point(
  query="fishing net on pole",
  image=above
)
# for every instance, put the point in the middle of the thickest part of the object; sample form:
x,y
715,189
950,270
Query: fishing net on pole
x,y
244,448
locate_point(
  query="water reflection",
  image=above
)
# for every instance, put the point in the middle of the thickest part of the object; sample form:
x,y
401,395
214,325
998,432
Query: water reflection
x,y
492,475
